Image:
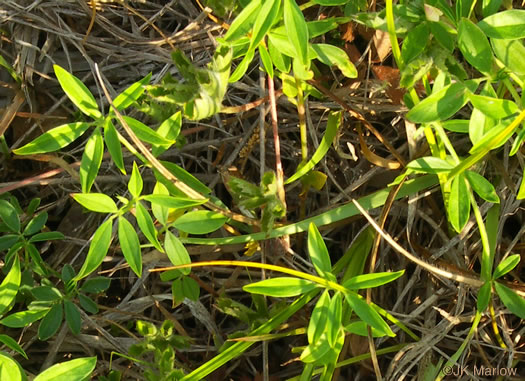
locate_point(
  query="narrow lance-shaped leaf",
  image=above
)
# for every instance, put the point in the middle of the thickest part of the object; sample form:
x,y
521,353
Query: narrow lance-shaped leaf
x,y
281,287
113,144
371,280
296,29
96,202
169,129
54,139
459,203
73,318
318,319
97,249
176,252
482,187
200,222
131,94
368,314
135,182
334,121
318,251
9,216
91,160
130,245
244,21
23,318
494,107
13,345
263,22
78,369
506,265
440,105
145,133
147,226
77,92
511,300
9,286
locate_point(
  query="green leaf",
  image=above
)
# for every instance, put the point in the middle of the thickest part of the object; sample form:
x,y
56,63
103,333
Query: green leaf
x,y
430,164
131,94
335,311
130,245
242,67
318,252
147,226
91,160
160,212
484,296
73,319
482,187
74,370
169,129
265,18
36,224
9,286
494,138
506,25
10,369
368,314
440,105
87,304
190,288
475,46
266,60
97,249
23,318
521,191
96,285
510,53
78,93
176,252
113,144
281,62
334,121
281,287
96,202
13,345
46,293
444,34
9,216
371,280
200,222
511,300
51,322
10,69
244,21
145,133
480,123
46,236
320,27
506,265
328,3
415,42
494,107
186,177
172,202
296,29
7,241
315,352
360,328
135,182
318,319
54,139
459,203
332,55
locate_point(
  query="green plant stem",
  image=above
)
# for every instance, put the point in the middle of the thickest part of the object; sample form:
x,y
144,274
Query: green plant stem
x,y
486,258
302,120
512,91
458,353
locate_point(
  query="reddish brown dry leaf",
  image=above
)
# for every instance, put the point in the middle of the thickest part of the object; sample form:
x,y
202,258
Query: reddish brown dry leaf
x,y
390,75
348,32
382,44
